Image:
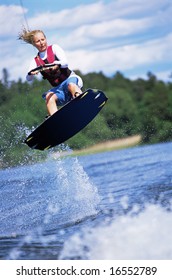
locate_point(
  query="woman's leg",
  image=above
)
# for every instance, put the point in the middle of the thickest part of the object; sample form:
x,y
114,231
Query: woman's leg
x,y
51,100
74,90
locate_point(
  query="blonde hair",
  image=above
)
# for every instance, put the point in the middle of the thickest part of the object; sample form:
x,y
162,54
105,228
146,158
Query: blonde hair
x,y
27,35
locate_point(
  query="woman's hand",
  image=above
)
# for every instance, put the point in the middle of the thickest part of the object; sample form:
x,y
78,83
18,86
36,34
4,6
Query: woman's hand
x,y
34,72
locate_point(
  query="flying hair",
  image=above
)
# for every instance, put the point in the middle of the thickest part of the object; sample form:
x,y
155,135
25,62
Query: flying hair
x,y
28,35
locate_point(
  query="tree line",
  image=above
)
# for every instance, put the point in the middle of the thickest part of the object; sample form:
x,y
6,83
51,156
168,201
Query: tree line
x,y
134,107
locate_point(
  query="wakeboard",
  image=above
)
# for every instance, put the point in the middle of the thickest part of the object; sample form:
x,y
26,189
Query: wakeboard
x,y
68,120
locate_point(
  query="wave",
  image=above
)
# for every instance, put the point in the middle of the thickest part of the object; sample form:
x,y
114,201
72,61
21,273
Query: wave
x,y
50,194
133,237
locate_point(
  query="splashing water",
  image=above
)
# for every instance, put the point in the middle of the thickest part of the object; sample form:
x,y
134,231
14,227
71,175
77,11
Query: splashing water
x,y
46,197
112,206
76,196
142,236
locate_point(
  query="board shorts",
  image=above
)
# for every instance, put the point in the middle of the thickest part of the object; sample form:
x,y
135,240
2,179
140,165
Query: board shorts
x,y
62,91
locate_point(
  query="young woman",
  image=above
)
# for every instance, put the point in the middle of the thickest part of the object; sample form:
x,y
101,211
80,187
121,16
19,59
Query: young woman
x,y
66,84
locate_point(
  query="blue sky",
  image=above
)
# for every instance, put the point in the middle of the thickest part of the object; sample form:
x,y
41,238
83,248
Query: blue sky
x,y
130,36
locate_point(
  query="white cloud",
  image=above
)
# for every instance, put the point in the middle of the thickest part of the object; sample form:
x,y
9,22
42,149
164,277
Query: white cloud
x,y
138,8
123,58
11,18
97,37
97,12
69,18
164,76
88,35
100,12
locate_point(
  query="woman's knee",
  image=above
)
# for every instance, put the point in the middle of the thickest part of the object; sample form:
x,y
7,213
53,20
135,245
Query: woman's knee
x,y
71,86
51,97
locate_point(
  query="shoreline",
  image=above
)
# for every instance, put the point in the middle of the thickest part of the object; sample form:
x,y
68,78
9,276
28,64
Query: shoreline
x,y
110,145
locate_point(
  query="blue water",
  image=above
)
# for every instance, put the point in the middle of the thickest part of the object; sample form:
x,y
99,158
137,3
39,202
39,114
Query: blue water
x,y
112,205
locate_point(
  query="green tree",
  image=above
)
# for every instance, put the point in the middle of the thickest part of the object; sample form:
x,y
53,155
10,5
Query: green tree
x,y
140,106
121,113
5,77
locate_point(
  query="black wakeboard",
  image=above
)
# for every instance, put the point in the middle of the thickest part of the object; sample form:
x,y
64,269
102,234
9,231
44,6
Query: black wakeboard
x,y
67,121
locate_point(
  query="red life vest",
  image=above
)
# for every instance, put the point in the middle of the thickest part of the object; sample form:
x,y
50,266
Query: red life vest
x,y
55,77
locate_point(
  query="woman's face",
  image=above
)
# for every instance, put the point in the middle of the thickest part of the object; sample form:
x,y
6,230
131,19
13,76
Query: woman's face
x,y
40,41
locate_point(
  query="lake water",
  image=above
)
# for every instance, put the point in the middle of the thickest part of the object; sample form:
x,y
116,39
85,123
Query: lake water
x,y
111,205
